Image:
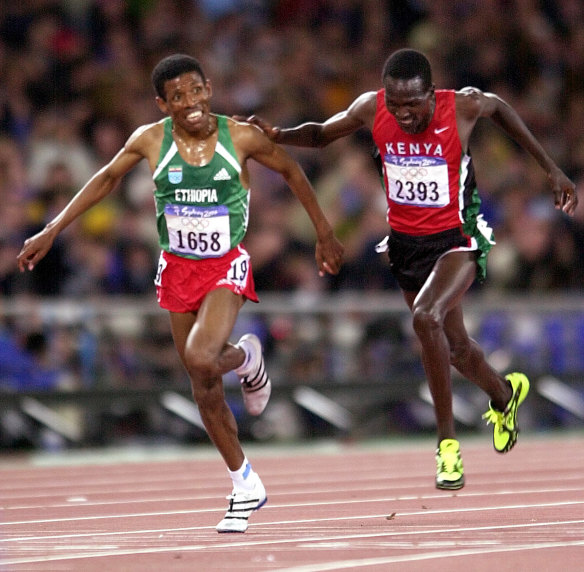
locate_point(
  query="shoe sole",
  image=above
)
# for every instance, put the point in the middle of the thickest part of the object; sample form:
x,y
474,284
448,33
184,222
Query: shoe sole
x,y
260,505
453,486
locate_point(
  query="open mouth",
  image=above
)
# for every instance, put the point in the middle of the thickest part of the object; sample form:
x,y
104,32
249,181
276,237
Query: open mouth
x,y
195,115
407,125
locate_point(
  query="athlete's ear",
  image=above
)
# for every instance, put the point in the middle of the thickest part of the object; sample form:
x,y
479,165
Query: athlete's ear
x,y
162,105
209,87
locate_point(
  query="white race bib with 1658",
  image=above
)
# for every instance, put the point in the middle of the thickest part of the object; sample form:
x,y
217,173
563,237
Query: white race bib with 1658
x,y
418,181
198,231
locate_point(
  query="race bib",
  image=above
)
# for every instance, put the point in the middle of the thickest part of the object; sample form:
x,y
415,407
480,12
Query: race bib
x,y
198,231
418,181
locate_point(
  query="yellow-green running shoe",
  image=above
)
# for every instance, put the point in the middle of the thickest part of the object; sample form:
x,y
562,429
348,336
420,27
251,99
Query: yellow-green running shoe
x,y
505,427
449,471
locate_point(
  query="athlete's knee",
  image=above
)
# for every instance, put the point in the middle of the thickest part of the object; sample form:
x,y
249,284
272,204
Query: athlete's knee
x,y
201,364
426,319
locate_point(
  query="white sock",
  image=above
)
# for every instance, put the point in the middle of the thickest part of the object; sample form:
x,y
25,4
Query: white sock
x,y
242,369
245,478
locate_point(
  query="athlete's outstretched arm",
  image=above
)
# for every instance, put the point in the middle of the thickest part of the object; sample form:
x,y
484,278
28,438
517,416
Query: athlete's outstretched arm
x,y
473,103
360,113
329,251
97,188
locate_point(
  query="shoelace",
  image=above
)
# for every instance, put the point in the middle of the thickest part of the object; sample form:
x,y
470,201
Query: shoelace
x,y
498,417
231,498
495,417
449,461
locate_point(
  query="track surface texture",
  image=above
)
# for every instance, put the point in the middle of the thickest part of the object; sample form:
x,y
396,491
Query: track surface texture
x,y
368,506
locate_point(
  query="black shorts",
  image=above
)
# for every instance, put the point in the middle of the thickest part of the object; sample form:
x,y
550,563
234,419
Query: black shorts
x,y
412,258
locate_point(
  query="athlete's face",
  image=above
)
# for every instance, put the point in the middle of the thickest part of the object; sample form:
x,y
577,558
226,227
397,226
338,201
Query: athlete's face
x,y
187,101
410,103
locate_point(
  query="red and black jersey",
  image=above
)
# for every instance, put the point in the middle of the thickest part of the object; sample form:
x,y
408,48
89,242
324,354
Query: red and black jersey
x,y
429,179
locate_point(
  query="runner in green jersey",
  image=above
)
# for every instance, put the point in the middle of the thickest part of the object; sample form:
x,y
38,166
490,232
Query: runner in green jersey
x,y
202,202
209,199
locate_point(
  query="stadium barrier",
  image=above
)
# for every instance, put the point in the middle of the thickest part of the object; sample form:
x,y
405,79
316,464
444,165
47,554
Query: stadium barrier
x,y
105,371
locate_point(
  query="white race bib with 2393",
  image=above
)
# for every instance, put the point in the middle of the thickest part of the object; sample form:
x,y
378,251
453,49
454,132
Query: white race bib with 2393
x,y
418,181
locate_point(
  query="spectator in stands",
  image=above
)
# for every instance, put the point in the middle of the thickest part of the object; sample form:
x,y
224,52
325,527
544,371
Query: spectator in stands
x,y
89,49
85,57
23,365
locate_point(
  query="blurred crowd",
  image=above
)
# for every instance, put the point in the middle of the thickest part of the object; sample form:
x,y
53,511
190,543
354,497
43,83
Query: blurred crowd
x,y
75,83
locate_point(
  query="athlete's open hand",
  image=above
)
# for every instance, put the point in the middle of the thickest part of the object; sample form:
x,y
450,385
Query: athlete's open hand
x,y
565,196
271,131
34,249
329,255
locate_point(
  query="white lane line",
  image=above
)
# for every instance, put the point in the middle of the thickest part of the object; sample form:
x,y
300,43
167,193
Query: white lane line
x,y
426,512
293,505
315,492
423,512
318,539
389,484
362,563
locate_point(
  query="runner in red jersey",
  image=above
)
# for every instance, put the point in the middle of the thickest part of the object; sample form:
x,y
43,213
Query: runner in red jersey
x,y
426,174
439,241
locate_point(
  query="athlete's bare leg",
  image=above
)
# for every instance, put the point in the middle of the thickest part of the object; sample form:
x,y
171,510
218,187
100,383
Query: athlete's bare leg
x,y
437,321
469,359
201,341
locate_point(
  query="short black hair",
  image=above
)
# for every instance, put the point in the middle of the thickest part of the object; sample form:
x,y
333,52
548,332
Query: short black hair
x,y
408,64
171,67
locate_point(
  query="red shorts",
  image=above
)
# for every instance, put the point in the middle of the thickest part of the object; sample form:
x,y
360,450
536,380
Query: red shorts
x,y
182,283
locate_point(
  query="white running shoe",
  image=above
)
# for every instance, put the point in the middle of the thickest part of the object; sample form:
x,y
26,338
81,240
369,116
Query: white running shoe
x,y
241,505
255,383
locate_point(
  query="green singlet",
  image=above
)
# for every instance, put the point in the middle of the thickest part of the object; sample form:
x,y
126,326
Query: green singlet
x,y
201,212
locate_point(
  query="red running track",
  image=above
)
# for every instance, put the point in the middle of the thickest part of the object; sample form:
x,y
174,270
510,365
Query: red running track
x,y
365,506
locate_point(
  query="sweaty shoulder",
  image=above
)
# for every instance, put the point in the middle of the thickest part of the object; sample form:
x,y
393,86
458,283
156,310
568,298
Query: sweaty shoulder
x,y
246,137
469,102
146,136
470,105
364,107
146,141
